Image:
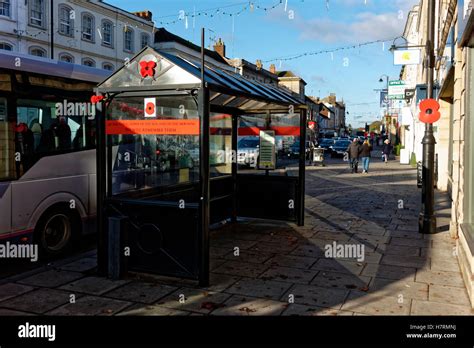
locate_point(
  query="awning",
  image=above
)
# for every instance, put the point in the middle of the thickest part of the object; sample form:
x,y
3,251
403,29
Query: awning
x,y
173,72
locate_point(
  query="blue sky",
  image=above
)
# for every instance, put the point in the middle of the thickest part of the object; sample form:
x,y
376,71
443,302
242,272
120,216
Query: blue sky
x,y
305,26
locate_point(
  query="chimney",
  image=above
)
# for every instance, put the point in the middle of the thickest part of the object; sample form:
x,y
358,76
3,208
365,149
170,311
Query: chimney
x,y
219,47
146,15
332,99
259,64
273,69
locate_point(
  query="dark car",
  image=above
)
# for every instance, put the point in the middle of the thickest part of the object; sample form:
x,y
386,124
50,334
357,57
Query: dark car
x,y
326,143
294,149
340,147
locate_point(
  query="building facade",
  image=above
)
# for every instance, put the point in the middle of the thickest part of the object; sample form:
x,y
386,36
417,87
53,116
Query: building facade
x,y
454,74
91,33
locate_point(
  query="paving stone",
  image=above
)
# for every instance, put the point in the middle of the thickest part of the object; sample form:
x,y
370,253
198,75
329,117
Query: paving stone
x,y
9,312
220,282
81,265
395,288
375,305
340,280
389,272
448,294
341,266
405,234
308,251
51,279
291,261
274,248
368,238
10,290
259,288
249,256
214,263
410,242
331,236
195,300
399,250
440,278
302,310
448,253
243,269
93,285
450,265
289,275
151,310
405,261
277,238
141,292
436,308
38,301
91,305
312,295
230,244
249,306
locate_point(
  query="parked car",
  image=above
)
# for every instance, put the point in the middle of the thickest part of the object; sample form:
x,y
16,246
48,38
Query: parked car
x,y
339,148
247,151
326,143
294,150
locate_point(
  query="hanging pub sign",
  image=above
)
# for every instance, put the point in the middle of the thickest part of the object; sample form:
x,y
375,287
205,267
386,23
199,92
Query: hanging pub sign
x,y
266,156
429,111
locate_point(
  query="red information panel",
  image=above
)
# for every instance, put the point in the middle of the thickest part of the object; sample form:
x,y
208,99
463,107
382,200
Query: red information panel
x,y
152,127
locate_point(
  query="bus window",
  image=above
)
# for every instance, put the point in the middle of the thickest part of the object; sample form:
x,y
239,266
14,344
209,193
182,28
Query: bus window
x,y
40,130
7,141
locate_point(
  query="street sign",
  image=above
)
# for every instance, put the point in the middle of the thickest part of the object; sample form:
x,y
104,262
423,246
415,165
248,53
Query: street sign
x,y
409,94
396,89
407,57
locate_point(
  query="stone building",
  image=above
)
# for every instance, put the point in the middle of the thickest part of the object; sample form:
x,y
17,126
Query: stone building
x,y
91,33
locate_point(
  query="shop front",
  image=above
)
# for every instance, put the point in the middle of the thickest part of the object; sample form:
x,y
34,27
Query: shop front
x,y
180,149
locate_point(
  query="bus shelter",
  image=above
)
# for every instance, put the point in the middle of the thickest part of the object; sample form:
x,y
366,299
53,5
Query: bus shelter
x,y
168,159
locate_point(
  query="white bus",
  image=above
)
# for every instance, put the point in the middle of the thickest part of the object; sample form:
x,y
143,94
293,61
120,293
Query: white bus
x,y
47,151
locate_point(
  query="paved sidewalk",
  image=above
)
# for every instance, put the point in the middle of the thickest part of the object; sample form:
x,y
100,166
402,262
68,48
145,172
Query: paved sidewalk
x,y
283,269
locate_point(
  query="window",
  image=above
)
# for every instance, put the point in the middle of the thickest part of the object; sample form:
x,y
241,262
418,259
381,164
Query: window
x,y
128,40
5,46
42,129
38,51
107,33
66,21
65,57
108,66
37,11
5,8
88,62
87,27
145,40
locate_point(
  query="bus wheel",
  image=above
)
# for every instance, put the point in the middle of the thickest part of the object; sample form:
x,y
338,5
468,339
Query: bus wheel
x,y
56,232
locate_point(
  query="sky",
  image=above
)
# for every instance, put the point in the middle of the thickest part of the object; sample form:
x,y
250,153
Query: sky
x,y
296,27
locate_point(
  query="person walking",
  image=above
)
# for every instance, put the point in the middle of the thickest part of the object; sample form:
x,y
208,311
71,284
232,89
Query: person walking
x,y
386,150
365,155
354,152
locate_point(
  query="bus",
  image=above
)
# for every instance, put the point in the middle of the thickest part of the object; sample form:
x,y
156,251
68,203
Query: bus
x,y
47,151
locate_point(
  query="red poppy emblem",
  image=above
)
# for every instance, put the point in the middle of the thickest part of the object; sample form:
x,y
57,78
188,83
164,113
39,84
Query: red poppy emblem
x,y
150,108
147,68
96,98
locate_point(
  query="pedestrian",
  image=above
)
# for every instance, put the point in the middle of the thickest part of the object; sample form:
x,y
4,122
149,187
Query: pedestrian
x,y
365,155
386,150
354,152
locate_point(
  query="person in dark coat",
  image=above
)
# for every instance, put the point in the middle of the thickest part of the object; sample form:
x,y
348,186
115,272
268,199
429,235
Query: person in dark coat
x,y
386,150
365,155
354,152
